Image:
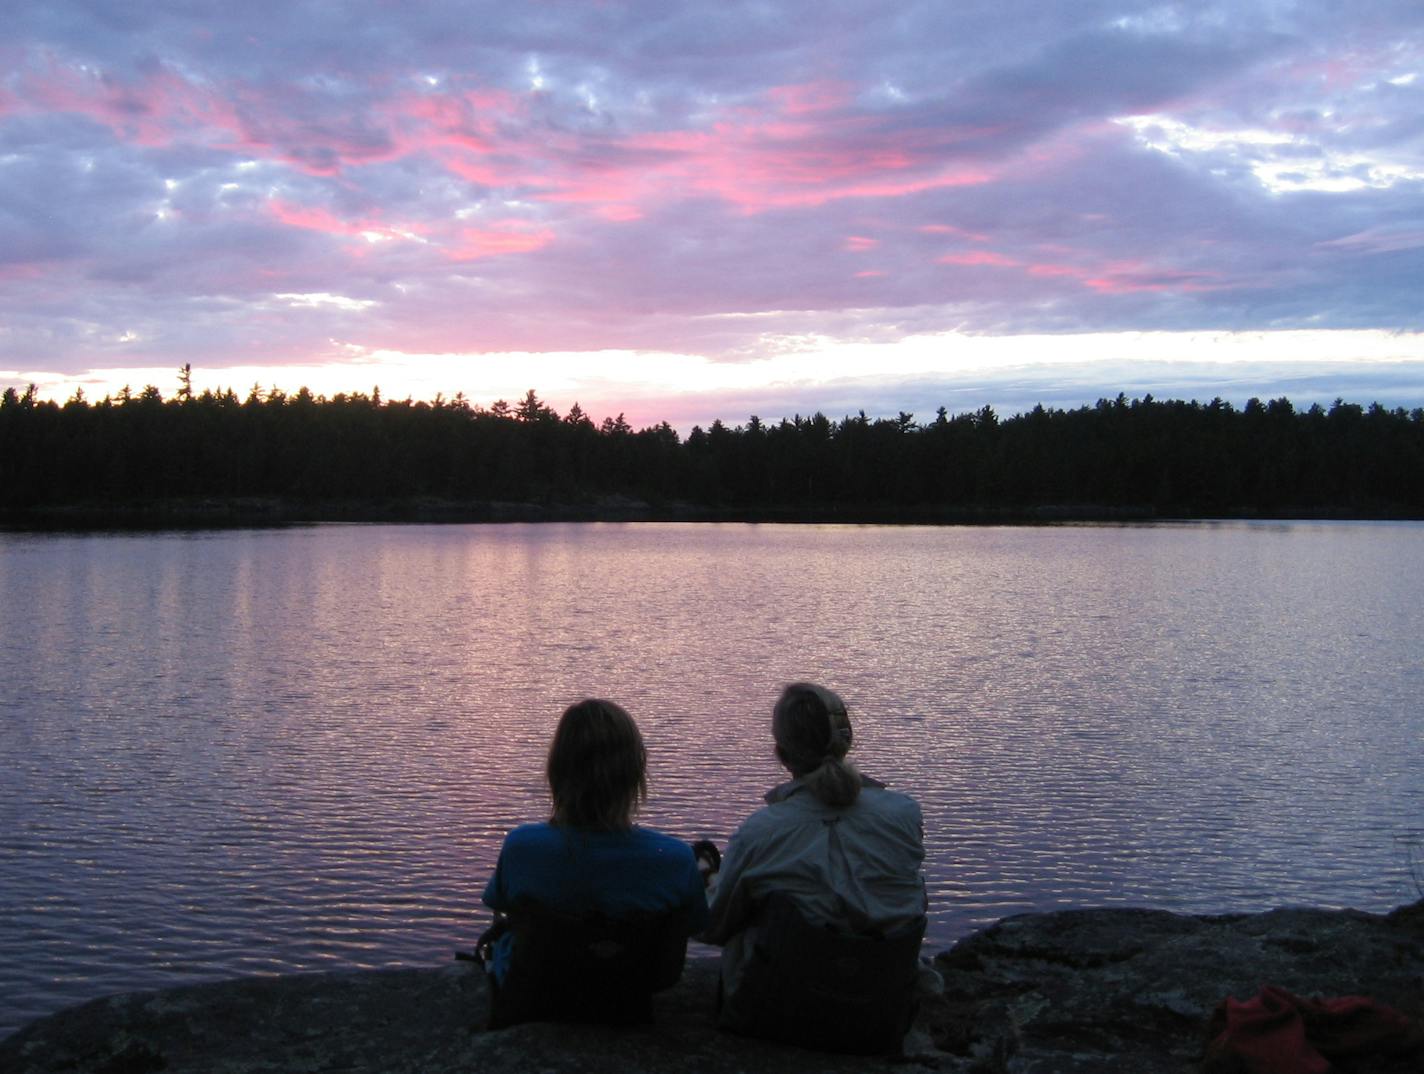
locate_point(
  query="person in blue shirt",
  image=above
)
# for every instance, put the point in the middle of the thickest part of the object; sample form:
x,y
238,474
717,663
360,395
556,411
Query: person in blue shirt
x,y
589,861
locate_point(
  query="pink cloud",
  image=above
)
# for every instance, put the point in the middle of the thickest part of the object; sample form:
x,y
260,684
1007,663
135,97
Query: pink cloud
x,y
314,218
800,145
162,108
810,98
465,131
284,123
1128,277
474,171
150,111
810,157
507,237
465,119
978,257
860,243
620,213
950,229
311,219
804,145
1051,270
601,187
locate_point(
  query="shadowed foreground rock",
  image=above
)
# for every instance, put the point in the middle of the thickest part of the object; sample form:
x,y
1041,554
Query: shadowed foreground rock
x,y
1125,991
1091,990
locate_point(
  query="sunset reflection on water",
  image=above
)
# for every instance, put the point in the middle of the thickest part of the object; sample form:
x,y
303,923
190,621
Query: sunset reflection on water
x,y
261,751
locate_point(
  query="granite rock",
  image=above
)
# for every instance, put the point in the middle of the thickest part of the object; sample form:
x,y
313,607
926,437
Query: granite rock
x,y
1132,990
1088,990
426,1020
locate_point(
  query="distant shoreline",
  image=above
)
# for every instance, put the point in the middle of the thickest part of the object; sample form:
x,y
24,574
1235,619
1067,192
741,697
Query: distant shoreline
x,y
242,513
214,461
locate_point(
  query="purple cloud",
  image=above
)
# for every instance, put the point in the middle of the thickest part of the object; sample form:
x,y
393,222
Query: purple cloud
x,y
699,179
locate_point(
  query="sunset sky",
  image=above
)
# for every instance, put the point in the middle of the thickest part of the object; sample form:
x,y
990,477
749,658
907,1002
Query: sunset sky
x,y
685,211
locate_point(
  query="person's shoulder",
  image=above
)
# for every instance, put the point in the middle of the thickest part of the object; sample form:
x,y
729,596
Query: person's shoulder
x,y
533,834
769,819
660,843
888,794
890,798
884,800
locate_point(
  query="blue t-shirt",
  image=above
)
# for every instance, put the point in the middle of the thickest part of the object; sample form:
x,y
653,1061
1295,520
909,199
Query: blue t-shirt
x,y
616,873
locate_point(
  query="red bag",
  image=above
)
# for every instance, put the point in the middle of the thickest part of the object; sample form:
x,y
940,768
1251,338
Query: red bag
x,y
1275,1032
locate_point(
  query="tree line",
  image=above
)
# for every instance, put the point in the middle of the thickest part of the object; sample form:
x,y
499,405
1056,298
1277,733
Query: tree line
x,y
1158,457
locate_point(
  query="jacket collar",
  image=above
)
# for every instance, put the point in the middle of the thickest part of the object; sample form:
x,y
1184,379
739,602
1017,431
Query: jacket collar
x,y
783,791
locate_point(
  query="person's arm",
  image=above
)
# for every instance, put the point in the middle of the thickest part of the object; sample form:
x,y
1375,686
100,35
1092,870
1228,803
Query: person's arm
x,y
918,842
496,895
730,908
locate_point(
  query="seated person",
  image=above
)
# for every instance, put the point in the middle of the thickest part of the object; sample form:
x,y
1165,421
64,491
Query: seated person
x,y
594,912
820,902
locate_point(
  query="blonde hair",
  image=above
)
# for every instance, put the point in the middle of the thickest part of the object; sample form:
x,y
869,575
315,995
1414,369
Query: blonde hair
x,y
813,735
597,768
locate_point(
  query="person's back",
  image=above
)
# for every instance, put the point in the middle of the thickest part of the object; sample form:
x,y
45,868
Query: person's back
x,y
618,872
820,902
594,912
856,865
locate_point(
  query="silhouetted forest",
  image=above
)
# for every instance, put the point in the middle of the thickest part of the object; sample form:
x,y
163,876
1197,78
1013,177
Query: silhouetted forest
x,y
1164,458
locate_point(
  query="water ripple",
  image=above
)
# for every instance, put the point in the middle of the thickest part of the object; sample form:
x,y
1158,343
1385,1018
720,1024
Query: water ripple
x,y
261,752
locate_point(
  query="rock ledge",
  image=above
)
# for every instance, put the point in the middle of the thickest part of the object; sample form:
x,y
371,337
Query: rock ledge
x,y
1076,991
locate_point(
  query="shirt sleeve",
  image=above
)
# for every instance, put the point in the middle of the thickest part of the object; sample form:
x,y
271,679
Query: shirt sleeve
x,y
728,912
496,896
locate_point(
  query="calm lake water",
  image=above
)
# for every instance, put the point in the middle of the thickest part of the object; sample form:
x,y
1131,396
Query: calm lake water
x,y
297,749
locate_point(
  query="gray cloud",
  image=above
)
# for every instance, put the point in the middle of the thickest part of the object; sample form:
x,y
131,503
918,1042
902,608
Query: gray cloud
x,y
1063,387
697,178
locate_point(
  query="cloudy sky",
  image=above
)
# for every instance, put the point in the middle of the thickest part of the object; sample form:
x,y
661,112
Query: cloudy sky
x,y
691,210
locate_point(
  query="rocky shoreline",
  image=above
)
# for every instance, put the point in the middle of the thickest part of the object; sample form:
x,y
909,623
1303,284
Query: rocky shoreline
x,y
261,512
1103,991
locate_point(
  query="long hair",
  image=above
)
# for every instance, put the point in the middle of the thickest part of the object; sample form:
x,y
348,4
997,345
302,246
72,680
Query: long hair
x,y
597,767
813,735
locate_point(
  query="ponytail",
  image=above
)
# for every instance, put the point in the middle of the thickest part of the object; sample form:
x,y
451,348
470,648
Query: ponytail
x,y
836,782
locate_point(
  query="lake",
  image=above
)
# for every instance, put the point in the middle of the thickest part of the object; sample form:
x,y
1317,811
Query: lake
x,y
263,751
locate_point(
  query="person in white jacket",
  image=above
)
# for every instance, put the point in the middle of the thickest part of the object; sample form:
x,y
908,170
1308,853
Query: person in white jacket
x,y
835,850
